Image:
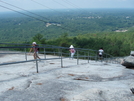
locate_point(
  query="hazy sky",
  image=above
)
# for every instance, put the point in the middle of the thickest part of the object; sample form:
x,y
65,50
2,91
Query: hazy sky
x,y
59,4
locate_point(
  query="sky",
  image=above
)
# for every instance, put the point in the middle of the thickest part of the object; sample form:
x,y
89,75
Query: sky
x,y
63,4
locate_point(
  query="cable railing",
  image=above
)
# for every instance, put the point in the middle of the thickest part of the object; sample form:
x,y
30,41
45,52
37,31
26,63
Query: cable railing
x,y
61,52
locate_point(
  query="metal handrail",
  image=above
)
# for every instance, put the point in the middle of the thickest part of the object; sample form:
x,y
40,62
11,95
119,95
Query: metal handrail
x,y
89,53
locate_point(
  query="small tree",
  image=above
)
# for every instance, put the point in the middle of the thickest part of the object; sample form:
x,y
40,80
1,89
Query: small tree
x,y
39,39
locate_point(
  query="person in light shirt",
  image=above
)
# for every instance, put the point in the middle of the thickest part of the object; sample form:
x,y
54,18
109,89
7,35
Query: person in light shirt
x,y
72,51
101,51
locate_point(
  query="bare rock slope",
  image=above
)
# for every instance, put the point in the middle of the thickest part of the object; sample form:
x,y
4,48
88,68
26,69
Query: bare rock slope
x,y
93,81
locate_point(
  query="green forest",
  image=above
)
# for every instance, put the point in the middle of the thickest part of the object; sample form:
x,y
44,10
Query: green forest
x,y
112,29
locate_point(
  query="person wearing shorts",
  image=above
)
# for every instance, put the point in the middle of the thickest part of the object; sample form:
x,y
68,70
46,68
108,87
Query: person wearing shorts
x,y
35,50
72,51
101,52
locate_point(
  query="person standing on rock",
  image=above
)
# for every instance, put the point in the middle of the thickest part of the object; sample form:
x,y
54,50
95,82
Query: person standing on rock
x,y
35,50
101,51
72,51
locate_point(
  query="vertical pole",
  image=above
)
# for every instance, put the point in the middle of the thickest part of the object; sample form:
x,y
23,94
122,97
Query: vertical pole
x,y
25,54
61,59
59,53
44,53
96,56
88,56
77,57
54,53
84,55
36,65
106,58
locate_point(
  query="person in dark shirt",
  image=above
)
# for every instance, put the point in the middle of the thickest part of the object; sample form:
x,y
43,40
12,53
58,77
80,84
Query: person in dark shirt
x,y
101,51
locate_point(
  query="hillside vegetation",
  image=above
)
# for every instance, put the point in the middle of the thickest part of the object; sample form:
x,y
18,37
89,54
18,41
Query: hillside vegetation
x,y
111,29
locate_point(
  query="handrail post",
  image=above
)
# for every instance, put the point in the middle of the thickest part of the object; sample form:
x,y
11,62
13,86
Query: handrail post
x,y
61,58
106,58
88,56
54,53
25,54
59,52
44,53
77,57
84,55
36,65
96,56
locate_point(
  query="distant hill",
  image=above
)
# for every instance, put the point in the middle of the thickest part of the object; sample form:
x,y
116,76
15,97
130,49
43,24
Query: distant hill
x,y
19,27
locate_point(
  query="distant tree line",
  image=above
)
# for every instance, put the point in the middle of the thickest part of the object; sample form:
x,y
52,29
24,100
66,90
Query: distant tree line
x,y
116,44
